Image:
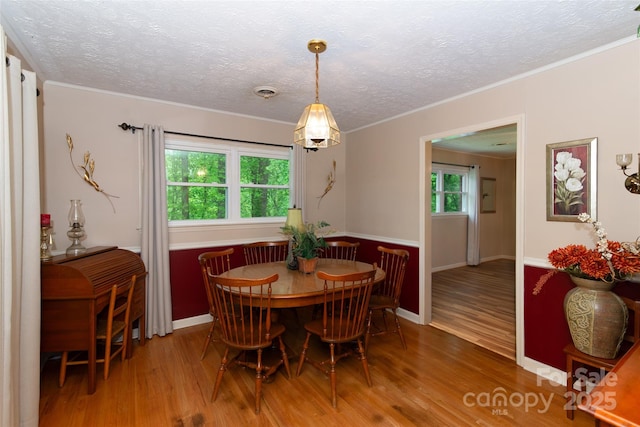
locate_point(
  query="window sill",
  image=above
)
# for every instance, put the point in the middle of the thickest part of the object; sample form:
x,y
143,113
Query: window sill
x,y
449,215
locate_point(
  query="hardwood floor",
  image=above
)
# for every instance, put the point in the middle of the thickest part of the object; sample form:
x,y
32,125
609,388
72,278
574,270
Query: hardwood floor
x,y
440,380
478,304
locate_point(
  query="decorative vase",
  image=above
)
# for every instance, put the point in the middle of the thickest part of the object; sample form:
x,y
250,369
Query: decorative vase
x,y
596,316
307,265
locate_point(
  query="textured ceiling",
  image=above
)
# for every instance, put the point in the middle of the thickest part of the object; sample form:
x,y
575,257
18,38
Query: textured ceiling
x,y
497,142
384,58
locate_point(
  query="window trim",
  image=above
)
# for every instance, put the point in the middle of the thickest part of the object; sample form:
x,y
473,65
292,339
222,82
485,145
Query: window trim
x,y
440,170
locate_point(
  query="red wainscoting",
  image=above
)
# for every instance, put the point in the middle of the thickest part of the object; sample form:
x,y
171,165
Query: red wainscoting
x,y
188,294
368,252
545,328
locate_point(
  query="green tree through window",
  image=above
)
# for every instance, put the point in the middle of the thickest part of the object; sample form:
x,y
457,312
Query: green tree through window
x,y
200,183
264,187
448,190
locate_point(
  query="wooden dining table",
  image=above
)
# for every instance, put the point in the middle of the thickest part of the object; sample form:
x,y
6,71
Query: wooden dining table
x,y
296,289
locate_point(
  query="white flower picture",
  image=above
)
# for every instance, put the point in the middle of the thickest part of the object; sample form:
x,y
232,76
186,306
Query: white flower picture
x,y
569,184
570,175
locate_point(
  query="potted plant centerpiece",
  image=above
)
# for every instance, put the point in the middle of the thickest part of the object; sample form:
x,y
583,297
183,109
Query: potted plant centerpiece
x,y
307,242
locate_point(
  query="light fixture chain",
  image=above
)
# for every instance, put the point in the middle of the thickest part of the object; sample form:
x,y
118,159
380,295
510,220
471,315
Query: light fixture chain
x,y
317,78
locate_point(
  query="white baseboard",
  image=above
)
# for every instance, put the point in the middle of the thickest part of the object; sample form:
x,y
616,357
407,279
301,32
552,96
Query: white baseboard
x,y
192,321
545,372
463,264
411,317
448,267
206,318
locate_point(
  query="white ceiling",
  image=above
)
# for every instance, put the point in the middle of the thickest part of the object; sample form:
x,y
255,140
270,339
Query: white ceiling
x,y
384,58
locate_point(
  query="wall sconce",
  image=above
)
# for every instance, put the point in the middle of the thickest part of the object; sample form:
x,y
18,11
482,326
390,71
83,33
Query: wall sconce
x,y
632,183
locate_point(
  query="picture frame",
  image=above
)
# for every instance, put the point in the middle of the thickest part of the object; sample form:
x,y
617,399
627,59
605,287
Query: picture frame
x,y
572,179
488,191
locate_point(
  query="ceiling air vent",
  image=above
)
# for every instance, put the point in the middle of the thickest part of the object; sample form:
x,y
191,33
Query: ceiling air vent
x,y
265,92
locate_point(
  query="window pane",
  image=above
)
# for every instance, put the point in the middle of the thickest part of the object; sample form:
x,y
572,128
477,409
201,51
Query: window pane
x,y
452,182
263,202
196,202
452,202
194,166
434,182
264,171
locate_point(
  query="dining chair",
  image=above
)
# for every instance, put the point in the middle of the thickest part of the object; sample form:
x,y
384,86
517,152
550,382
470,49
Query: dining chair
x,y
214,262
113,330
340,249
243,307
387,296
346,299
577,359
261,252
336,249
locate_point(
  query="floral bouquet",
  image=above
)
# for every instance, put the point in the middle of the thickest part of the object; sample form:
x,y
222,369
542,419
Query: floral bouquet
x,y
568,191
609,261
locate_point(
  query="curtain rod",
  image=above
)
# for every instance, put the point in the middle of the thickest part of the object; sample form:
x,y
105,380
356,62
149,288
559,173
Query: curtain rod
x,y
132,128
454,164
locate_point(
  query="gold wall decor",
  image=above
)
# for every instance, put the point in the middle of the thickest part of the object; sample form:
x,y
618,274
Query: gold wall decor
x,y
87,171
331,179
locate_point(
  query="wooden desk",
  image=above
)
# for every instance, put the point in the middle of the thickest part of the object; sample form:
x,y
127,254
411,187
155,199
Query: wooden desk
x,y
296,289
75,289
616,399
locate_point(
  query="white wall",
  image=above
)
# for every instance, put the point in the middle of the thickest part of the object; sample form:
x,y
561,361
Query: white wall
x,y
91,118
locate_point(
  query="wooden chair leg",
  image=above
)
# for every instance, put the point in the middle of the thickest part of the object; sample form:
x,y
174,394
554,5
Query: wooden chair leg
x,y
259,369
404,343
365,364
367,334
223,368
303,353
63,368
332,376
285,358
107,358
207,341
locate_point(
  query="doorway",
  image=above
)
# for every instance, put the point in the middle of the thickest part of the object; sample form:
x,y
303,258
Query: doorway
x,y
494,148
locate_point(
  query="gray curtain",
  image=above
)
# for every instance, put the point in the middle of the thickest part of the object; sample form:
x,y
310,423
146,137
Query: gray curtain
x,y
154,248
298,158
19,245
473,229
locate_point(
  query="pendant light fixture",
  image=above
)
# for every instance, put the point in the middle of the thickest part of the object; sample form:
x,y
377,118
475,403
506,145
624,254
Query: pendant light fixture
x,y
316,128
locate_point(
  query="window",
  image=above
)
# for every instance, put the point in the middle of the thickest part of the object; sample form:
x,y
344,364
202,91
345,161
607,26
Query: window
x,y
449,190
221,183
